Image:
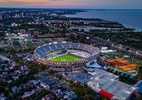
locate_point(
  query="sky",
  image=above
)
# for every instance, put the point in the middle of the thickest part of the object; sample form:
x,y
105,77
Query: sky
x,y
91,4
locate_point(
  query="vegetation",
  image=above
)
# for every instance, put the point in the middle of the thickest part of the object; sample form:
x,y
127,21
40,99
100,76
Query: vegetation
x,y
58,76
123,76
2,89
132,39
66,58
42,94
31,46
51,71
79,38
126,78
83,92
139,73
139,98
46,35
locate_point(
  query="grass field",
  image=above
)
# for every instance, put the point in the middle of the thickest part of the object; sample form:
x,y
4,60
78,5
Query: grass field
x,y
66,58
30,46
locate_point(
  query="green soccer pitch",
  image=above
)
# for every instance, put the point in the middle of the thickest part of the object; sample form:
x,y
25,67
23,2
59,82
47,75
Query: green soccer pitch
x,y
66,58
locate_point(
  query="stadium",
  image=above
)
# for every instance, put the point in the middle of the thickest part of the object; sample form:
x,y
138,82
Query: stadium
x,y
65,56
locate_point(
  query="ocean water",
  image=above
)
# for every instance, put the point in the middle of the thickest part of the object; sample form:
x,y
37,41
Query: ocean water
x,y
130,18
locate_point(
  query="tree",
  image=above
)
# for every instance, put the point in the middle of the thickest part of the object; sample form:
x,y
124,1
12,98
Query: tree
x,y
58,76
89,97
140,72
71,37
25,79
1,82
43,67
32,77
139,98
41,94
69,81
51,71
78,91
2,89
21,62
21,76
102,98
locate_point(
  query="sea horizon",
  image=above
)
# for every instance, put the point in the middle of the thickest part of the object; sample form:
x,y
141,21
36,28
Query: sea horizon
x,y
70,8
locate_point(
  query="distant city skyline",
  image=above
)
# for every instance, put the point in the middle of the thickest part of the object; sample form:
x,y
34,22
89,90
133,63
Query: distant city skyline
x,y
93,4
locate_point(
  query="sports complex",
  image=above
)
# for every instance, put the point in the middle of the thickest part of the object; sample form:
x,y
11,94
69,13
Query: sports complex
x,y
65,56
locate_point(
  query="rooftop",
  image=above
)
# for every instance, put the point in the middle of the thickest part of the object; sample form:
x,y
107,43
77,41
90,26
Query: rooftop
x,y
80,77
46,80
108,82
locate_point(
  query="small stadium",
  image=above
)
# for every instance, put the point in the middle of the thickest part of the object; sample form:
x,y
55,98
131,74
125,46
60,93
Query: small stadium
x,y
65,56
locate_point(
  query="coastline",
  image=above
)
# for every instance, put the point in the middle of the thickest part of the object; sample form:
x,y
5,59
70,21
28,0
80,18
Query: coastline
x,y
125,20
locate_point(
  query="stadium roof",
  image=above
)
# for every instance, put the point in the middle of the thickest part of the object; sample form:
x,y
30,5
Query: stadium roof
x,y
40,51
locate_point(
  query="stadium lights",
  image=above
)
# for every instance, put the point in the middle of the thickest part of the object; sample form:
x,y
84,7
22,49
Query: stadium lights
x,y
64,42
55,42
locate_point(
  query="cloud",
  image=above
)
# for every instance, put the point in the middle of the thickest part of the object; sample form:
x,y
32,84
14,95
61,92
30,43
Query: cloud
x,y
3,1
20,3
73,3
29,1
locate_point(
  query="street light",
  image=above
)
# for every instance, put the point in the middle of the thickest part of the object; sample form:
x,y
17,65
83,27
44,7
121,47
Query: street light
x,y
136,53
129,52
113,50
119,49
87,38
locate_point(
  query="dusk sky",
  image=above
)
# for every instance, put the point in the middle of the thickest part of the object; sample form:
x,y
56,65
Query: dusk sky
x,y
130,4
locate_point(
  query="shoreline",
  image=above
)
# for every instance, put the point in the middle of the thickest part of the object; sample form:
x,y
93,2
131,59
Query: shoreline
x,y
80,15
